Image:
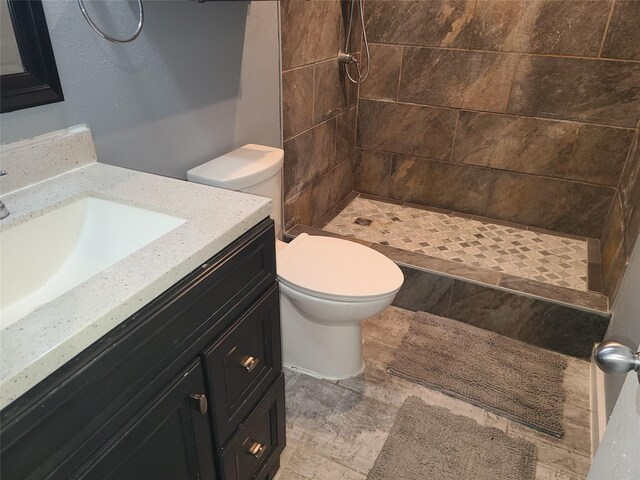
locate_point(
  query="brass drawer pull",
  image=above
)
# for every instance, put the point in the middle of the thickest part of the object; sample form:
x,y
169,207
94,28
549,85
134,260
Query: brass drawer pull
x,y
200,401
250,363
257,449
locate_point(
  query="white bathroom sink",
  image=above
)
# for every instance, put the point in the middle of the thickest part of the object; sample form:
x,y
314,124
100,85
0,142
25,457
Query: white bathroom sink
x,y
43,258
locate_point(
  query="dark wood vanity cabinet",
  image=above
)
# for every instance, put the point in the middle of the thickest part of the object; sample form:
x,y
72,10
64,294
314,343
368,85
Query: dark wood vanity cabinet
x,y
189,387
170,438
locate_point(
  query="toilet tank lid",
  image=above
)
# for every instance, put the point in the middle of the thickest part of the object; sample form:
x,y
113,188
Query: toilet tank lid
x,y
239,169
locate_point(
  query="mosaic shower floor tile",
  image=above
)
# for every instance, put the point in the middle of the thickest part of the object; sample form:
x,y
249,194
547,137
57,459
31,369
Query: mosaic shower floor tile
x,y
538,256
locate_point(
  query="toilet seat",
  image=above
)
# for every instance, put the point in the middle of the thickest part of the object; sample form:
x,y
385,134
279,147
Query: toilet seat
x,y
338,270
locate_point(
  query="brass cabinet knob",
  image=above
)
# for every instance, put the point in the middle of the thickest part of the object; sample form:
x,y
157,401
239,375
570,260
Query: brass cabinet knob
x,y
250,363
200,401
257,449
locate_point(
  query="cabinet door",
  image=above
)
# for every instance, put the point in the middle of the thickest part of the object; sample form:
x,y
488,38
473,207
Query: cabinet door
x,y
169,440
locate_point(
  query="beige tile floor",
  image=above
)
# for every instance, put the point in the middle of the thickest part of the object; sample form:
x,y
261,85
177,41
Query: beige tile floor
x,y
336,430
551,259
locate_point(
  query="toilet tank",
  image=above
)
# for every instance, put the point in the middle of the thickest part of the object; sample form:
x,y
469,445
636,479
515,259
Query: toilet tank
x,y
254,169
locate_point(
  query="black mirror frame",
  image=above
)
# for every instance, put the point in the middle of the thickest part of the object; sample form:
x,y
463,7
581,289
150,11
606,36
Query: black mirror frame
x,y
39,84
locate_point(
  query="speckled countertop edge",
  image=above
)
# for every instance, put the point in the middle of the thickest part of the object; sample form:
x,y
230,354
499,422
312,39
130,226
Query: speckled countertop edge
x,y
38,344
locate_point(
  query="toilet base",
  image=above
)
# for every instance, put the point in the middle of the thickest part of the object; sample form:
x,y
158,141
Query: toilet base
x,y
317,375
332,352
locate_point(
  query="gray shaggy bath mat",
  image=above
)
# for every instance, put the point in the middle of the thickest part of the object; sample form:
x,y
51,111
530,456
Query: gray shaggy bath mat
x,y
431,443
505,376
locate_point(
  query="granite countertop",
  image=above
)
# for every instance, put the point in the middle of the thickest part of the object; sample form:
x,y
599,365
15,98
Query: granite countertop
x,y
38,344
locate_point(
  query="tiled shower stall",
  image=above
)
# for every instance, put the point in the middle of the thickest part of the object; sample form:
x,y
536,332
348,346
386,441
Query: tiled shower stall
x,y
492,152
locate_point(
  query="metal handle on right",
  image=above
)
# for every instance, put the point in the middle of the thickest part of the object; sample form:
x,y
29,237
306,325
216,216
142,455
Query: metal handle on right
x,y
616,358
249,363
257,449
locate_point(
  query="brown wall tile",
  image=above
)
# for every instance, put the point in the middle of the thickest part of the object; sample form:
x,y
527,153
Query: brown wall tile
x,y
332,92
519,144
622,227
630,195
596,91
612,233
623,35
585,209
549,203
599,155
322,199
382,82
593,251
298,209
409,129
446,185
308,156
567,27
346,131
456,78
310,31
424,292
297,101
527,199
372,172
594,278
433,23
537,322
612,273
343,181
329,189
318,108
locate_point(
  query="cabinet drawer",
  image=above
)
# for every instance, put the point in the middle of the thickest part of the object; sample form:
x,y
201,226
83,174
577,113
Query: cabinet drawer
x,y
259,441
243,363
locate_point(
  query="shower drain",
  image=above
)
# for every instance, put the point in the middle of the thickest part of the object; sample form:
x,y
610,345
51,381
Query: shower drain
x,y
365,222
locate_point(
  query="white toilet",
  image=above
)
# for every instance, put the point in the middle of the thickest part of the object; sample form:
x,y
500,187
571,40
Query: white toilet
x,y
328,286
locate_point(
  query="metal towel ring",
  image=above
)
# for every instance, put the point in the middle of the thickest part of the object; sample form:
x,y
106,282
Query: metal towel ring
x,y
107,36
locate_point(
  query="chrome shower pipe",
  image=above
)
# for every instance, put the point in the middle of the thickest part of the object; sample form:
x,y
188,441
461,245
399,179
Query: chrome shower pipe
x,y
347,58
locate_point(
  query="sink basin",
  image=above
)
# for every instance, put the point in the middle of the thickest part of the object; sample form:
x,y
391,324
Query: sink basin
x,y
43,258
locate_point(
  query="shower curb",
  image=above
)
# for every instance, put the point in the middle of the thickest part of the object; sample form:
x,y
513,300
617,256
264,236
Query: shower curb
x,y
556,318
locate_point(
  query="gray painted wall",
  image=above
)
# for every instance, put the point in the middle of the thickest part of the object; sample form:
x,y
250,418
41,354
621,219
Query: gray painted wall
x,y
200,80
625,322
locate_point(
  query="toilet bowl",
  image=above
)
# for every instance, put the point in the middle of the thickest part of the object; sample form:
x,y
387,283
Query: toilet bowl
x,y
328,286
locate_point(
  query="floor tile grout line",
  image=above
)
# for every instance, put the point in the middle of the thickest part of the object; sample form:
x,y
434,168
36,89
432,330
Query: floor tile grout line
x,y
328,458
311,449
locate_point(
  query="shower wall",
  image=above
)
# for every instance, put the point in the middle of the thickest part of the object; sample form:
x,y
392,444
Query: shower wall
x,y
519,110
319,109
622,226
